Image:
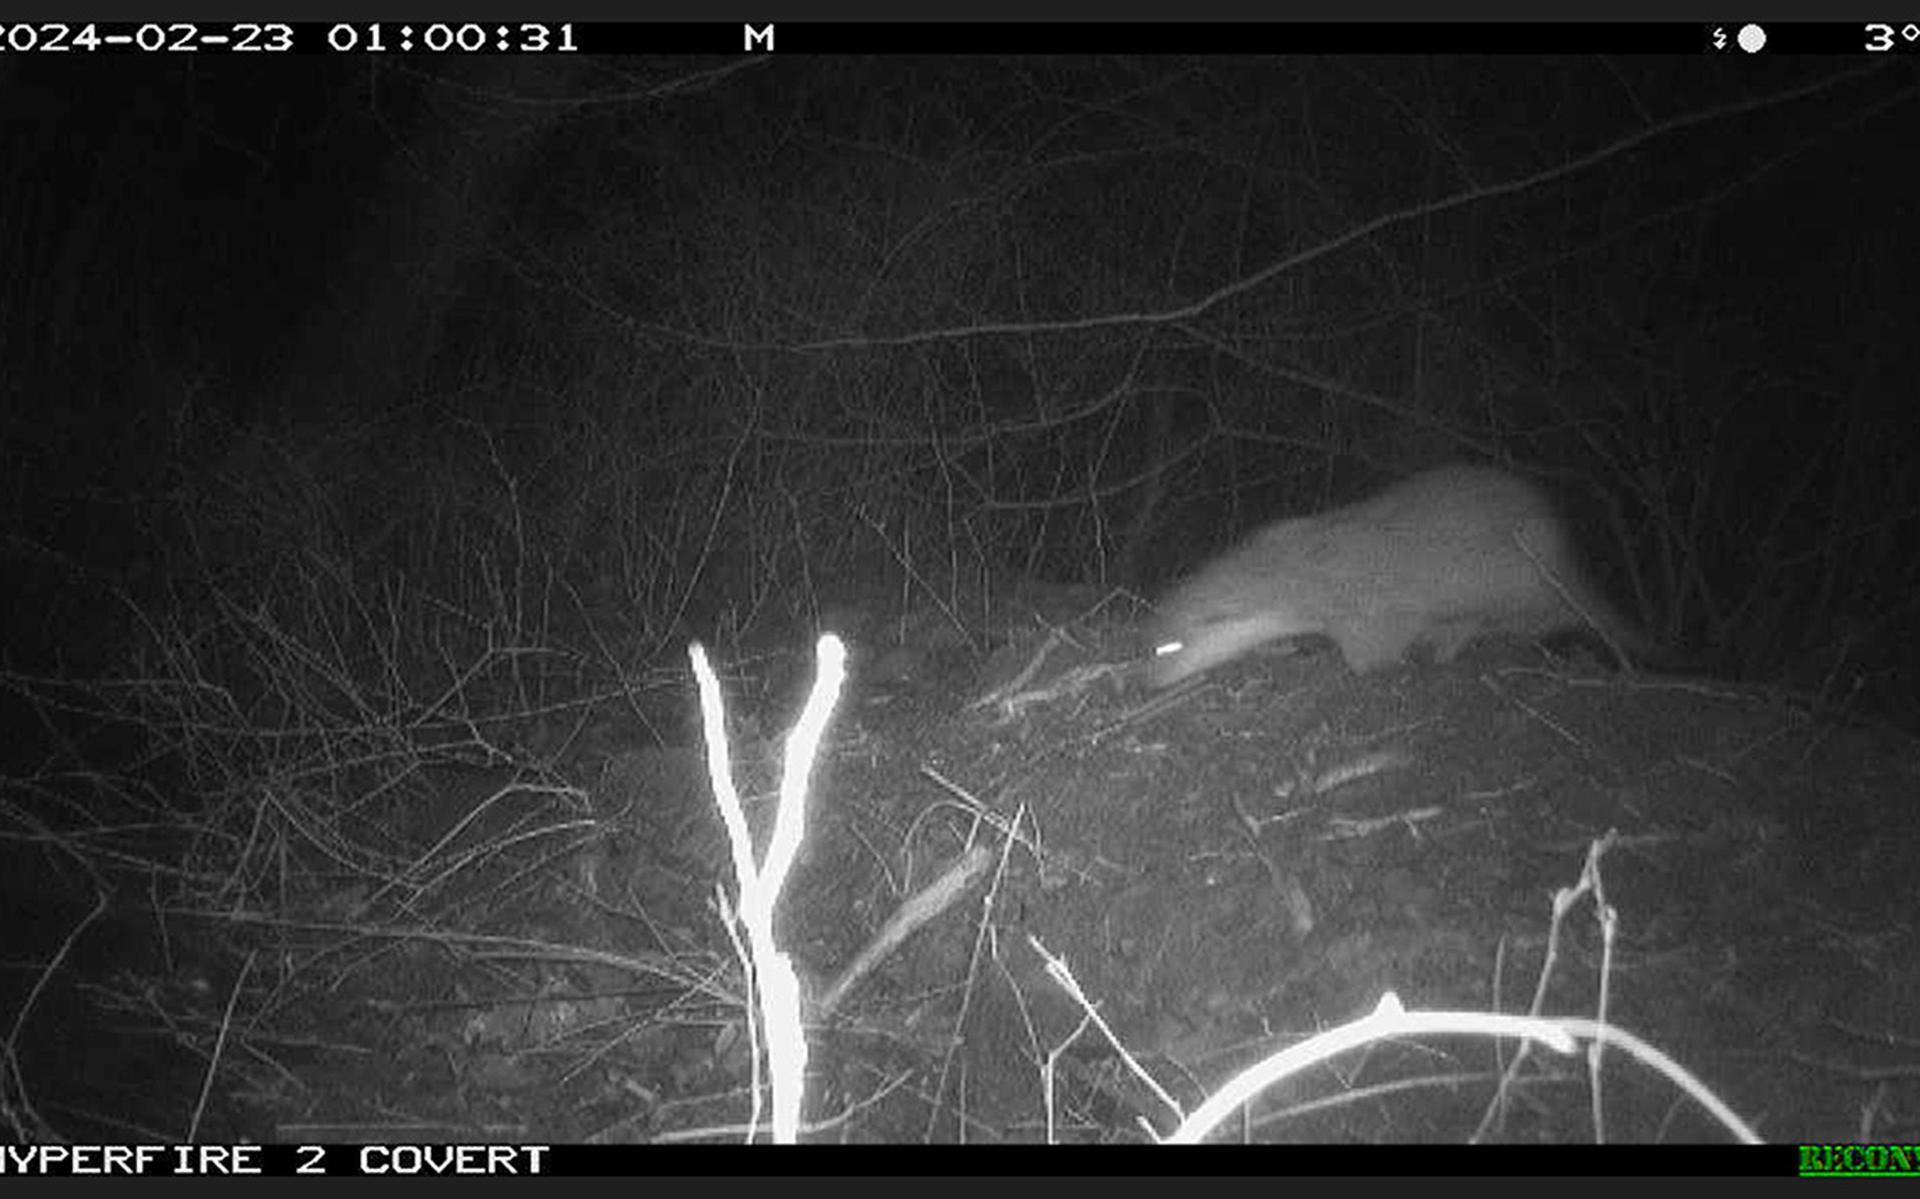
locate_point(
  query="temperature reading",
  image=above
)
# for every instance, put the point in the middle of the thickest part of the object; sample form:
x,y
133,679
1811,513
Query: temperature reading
x,y
1882,38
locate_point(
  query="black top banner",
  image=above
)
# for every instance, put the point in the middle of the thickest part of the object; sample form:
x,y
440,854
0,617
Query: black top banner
x,y
944,37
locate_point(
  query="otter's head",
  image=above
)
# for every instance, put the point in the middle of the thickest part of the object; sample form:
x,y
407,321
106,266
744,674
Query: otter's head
x,y
1199,627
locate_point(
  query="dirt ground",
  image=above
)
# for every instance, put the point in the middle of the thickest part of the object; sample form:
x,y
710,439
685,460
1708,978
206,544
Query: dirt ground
x,y
1225,869
1231,869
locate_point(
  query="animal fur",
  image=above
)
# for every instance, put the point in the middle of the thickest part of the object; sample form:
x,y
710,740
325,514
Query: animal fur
x,y
1432,562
